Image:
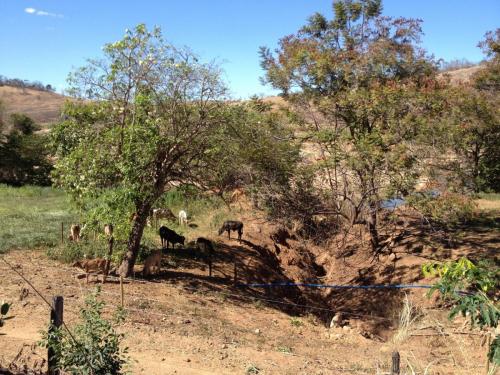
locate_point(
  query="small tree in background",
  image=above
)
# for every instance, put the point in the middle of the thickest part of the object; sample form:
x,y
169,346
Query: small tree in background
x,y
363,89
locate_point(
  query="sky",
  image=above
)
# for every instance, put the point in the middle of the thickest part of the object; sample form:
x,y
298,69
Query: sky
x,y
44,40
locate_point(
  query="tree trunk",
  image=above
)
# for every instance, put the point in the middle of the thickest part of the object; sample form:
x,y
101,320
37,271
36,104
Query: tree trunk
x,y
372,228
134,240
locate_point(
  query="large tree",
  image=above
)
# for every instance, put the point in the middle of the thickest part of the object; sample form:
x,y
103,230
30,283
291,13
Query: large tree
x,y
145,125
364,88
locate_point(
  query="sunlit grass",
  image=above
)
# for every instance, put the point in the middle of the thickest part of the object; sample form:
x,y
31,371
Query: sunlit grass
x,y
31,216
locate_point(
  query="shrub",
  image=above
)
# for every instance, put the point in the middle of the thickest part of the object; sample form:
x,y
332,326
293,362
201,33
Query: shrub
x,y
94,347
447,209
4,309
480,283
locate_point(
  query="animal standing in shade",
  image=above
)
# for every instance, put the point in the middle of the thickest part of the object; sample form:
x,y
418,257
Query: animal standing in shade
x,y
169,236
152,263
205,244
230,225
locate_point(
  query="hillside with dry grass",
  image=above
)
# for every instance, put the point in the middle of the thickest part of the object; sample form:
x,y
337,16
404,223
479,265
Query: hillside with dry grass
x,y
42,106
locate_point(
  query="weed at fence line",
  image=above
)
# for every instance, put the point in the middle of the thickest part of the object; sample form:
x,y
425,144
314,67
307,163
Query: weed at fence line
x,y
76,353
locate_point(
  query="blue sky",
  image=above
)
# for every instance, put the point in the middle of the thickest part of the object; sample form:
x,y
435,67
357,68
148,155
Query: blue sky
x,y
45,39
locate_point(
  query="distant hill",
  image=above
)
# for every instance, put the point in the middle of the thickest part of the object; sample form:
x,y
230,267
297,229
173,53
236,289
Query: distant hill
x,y
42,106
463,75
45,107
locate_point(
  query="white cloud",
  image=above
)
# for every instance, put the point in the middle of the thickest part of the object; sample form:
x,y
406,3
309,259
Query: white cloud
x,y
42,13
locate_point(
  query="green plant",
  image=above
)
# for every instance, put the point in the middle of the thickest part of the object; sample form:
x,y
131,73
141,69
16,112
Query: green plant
x,y
296,322
284,349
472,290
4,309
252,369
94,347
447,209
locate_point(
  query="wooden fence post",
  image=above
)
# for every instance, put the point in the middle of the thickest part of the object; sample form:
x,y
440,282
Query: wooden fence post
x,y
62,233
210,264
108,260
121,291
235,276
395,363
488,343
56,320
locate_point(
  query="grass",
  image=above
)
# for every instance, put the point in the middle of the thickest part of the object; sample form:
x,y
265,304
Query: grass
x,y
408,317
31,216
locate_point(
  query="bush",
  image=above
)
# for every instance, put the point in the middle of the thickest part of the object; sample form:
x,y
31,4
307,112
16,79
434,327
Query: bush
x,y
72,251
479,303
94,347
447,209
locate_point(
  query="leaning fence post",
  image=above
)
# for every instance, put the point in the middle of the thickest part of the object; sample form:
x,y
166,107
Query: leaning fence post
x,y
121,291
395,363
56,320
210,264
235,277
488,343
62,233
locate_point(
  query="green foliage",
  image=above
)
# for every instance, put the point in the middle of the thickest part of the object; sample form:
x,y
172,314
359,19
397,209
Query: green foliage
x,y
23,153
32,216
22,123
4,310
480,283
447,209
95,347
149,127
372,90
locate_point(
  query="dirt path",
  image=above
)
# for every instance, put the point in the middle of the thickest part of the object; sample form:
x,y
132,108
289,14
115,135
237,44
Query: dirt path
x,y
190,325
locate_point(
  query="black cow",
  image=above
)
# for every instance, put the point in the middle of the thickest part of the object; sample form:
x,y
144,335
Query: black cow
x,y
232,225
168,235
205,244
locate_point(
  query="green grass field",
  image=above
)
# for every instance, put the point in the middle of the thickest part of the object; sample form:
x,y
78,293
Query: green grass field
x,y
31,216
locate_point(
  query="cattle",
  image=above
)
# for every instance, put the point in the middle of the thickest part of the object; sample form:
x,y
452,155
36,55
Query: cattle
x,y
183,218
169,236
230,225
152,263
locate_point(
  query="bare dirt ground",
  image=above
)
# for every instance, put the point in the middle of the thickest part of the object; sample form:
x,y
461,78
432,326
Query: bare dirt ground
x,y
184,322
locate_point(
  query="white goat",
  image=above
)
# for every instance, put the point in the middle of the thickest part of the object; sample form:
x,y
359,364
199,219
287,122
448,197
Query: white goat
x,y
183,217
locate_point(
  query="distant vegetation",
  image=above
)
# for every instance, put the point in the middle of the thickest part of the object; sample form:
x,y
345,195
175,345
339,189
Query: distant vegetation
x,y
446,66
24,154
25,84
32,216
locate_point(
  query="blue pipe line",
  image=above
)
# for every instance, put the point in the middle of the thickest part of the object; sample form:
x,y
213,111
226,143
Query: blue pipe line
x,y
379,286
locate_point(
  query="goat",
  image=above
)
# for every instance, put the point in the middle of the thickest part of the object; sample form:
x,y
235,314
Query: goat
x,y
168,235
108,230
153,261
205,244
232,225
74,233
92,265
183,217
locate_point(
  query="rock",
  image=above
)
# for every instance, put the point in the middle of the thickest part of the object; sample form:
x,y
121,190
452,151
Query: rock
x,y
257,331
346,328
336,320
188,360
393,257
224,346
